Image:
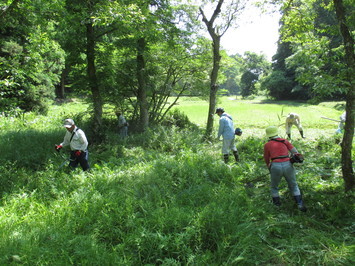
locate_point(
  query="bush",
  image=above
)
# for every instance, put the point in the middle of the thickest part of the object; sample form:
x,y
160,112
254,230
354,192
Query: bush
x,y
178,119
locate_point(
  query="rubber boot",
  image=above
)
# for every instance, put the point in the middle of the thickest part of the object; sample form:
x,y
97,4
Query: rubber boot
x,y
301,132
289,136
226,158
276,201
236,156
300,203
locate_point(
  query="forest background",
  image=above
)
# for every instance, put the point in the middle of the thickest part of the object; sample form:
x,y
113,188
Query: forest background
x,y
140,57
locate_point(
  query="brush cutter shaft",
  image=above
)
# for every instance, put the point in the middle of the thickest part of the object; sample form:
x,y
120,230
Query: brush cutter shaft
x,y
330,119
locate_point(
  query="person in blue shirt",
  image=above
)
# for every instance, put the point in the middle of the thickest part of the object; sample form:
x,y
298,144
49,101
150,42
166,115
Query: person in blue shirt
x,y
226,130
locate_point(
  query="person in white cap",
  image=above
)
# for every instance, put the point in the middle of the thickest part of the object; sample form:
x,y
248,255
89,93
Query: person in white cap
x,y
293,119
277,159
76,139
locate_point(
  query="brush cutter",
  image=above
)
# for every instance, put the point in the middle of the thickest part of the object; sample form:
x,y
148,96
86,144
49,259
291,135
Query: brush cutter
x,y
66,160
330,119
250,183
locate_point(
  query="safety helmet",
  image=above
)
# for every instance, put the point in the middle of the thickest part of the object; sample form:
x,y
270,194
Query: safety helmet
x,y
219,109
271,131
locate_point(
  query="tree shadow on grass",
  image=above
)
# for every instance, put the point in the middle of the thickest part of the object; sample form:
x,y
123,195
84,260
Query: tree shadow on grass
x,y
284,102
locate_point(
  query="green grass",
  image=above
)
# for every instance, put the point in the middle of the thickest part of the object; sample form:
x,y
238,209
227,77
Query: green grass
x,y
261,113
166,198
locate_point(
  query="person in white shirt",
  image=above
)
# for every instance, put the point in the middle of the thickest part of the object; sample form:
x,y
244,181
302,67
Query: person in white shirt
x,y
122,125
76,139
293,119
341,123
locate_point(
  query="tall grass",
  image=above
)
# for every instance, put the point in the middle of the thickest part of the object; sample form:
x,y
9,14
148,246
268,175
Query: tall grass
x,y
165,197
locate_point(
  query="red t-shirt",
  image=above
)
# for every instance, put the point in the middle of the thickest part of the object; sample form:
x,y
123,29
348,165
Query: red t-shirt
x,y
273,149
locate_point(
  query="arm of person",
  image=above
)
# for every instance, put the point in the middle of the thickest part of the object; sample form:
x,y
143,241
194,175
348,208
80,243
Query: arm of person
x,y
221,127
294,151
298,119
267,158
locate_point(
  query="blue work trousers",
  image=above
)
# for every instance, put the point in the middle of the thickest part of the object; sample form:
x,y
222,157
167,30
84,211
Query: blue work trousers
x,y
82,159
283,169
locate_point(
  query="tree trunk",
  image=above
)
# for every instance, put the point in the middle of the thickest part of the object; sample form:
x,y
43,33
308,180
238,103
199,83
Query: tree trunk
x,y
216,41
346,162
142,88
60,89
96,96
213,85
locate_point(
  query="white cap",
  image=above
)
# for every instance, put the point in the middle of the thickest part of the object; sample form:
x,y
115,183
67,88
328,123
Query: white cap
x,y
68,123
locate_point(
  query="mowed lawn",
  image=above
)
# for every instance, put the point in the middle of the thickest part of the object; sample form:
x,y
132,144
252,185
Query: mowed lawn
x,y
253,116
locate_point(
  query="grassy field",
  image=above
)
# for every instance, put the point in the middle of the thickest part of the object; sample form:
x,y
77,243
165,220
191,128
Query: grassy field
x,y
260,114
253,116
166,198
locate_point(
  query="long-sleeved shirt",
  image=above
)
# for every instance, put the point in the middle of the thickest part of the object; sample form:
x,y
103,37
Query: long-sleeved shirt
x,y
343,117
78,142
296,120
278,148
226,127
122,121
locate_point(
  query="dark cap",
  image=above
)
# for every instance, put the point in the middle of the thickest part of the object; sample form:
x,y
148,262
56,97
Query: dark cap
x,y
219,109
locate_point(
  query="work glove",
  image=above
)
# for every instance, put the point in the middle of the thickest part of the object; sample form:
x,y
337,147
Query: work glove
x,y
77,153
58,147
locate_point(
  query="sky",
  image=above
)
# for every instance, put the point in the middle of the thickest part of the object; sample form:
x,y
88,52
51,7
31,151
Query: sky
x,y
257,33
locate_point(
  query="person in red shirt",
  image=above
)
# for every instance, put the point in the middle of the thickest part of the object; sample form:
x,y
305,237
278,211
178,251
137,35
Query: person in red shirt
x,y
276,157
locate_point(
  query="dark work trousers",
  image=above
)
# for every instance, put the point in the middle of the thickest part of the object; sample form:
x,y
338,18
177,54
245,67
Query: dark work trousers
x,y
82,160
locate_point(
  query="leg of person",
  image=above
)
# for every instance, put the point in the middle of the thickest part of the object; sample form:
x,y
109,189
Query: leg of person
x,y
84,160
301,132
290,176
300,129
340,128
276,175
288,129
225,149
235,151
125,131
226,158
300,203
236,155
73,160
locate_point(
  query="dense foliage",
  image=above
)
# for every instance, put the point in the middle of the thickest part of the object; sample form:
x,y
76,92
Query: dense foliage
x,y
43,52
31,60
165,197
310,55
